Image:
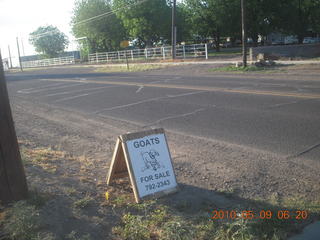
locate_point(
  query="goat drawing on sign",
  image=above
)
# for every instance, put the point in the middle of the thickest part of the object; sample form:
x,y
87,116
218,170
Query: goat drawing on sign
x,y
150,160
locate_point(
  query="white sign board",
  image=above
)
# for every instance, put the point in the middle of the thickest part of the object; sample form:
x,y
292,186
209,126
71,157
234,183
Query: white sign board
x,y
151,164
145,157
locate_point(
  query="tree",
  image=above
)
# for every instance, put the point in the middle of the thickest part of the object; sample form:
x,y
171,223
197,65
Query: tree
x,y
13,185
48,40
146,21
103,33
299,17
182,24
214,18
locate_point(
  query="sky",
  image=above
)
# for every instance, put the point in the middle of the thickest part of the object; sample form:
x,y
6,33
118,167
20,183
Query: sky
x,y
18,18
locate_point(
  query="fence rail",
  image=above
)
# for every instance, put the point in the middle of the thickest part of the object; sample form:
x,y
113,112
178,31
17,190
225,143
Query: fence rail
x,y
182,52
49,62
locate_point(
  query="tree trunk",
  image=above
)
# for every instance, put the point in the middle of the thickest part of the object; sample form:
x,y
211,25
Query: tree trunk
x,y
254,40
13,184
217,42
300,38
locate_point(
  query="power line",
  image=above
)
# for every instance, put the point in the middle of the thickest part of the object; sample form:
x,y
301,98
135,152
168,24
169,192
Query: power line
x,y
108,13
43,34
90,19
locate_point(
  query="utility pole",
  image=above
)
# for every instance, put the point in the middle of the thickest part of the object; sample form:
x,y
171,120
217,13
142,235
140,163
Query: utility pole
x,y
300,25
173,30
21,39
10,56
244,33
13,184
19,55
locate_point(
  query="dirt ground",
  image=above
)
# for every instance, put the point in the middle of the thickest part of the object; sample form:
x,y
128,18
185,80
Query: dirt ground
x,y
204,175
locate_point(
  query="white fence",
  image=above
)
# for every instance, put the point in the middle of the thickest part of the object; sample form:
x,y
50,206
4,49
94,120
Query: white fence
x,y
48,62
182,52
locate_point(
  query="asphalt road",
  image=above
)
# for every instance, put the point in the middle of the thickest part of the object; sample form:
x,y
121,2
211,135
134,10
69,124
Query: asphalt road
x,y
274,112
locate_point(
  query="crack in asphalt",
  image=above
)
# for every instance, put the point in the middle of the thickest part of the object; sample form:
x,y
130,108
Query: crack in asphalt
x,y
299,154
174,116
144,101
53,88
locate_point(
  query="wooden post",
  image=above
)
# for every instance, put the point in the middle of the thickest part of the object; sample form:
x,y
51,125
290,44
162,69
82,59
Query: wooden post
x,y
13,184
244,33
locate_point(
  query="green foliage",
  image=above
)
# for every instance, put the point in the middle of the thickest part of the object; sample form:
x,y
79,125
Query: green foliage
x,y
48,40
298,17
147,22
256,69
134,227
213,18
177,230
83,202
23,221
73,236
102,34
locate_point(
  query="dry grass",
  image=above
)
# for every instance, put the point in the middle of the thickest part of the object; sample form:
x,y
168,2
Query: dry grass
x,y
151,219
132,68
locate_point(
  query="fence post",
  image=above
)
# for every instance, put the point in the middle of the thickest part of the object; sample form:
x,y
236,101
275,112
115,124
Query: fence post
x,y
194,50
163,53
97,57
118,55
184,51
206,49
132,55
107,56
146,52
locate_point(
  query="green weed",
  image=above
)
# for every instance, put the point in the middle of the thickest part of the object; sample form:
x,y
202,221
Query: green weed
x,y
251,68
73,236
134,227
83,203
132,68
22,222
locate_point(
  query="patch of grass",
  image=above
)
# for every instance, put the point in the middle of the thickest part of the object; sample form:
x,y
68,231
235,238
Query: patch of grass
x,y
83,203
46,158
134,227
40,155
207,229
145,205
44,236
37,198
70,190
74,236
22,222
157,221
252,68
24,157
221,53
178,229
132,68
122,200
159,216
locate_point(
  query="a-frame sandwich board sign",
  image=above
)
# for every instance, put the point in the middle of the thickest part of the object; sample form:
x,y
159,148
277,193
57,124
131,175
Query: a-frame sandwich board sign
x,y
145,157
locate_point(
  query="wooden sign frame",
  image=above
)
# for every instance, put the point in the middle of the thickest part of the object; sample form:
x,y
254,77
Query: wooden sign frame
x,y
121,163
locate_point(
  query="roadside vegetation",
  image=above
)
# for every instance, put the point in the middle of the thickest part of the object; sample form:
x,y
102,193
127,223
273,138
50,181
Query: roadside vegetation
x,y
248,69
132,68
147,24
163,218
